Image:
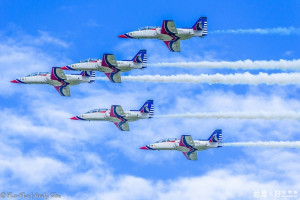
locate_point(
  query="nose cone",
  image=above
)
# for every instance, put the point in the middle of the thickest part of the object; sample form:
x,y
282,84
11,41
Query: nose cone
x,y
65,68
124,36
16,81
146,148
75,118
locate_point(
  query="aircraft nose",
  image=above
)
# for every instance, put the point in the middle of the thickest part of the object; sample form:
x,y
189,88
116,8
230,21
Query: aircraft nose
x,y
75,118
65,68
145,147
15,81
123,36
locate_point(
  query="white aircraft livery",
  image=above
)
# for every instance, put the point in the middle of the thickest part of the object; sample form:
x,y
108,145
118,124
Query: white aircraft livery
x,y
110,66
118,116
187,145
58,79
169,34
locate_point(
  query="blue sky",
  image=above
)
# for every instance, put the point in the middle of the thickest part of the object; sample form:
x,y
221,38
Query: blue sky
x,y
44,151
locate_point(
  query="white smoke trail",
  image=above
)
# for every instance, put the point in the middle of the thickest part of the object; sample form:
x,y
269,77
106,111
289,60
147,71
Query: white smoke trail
x,y
231,79
263,31
240,64
282,144
237,115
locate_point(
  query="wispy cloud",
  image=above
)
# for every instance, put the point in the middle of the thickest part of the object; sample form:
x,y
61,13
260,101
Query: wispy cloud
x,y
240,64
228,79
263,31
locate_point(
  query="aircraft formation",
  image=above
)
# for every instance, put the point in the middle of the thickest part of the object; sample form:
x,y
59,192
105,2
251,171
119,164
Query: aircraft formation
x,y
112,68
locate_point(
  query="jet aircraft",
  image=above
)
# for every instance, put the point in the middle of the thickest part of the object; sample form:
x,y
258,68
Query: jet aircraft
x,y
169,34
187,145
110,66
58,79
118,116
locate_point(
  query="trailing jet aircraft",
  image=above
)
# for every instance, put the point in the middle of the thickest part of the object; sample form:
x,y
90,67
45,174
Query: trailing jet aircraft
x,y
58,79
187,145
118,116
110,66
169,34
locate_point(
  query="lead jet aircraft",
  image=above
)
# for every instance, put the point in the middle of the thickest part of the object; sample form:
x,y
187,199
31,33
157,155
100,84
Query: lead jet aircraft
x,y
58,79
118,116
187,145
110,66
169,34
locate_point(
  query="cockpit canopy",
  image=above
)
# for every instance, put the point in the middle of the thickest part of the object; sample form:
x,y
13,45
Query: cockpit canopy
x,y
166,140
89,60
147,28
37,74
96,110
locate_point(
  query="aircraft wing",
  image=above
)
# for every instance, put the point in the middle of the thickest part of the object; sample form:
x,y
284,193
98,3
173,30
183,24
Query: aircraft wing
x,y
63,90
168,27
114,76
117,111
57,74
109,61
191,155
123,126
187,141
173,45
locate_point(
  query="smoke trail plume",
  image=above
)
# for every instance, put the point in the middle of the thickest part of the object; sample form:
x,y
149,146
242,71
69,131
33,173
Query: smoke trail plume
x,y
231,79
237,115
282,144
263,31
240,64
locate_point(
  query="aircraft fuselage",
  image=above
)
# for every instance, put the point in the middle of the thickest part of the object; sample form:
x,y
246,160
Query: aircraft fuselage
x,y
174,145
123,66
183,34
46,79
105,116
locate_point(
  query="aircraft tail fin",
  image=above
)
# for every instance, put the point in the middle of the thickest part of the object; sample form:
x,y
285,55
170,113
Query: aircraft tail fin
x,y
141,57
90,74
216,136
148,108
201,25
